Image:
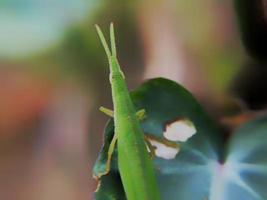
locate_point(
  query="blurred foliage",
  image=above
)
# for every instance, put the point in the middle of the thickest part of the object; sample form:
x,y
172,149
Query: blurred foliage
x,y
79,51
31,26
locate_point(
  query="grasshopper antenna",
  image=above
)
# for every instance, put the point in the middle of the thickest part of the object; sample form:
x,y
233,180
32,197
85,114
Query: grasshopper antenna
x,y
112,41
103,41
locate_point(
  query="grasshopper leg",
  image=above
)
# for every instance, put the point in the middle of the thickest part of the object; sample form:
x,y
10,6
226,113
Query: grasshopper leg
x,y
140,114
107,111
150,148
110,152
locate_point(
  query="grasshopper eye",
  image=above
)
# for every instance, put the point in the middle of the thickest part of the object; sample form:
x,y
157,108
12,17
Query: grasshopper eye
x,y
180,130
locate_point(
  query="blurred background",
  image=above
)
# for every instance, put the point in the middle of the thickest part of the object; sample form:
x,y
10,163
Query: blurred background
x,y
54,77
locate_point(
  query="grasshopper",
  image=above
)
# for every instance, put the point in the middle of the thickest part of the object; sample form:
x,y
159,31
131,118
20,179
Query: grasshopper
x,y
135,166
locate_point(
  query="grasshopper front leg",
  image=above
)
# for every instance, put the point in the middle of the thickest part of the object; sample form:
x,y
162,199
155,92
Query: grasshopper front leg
x,y
140,114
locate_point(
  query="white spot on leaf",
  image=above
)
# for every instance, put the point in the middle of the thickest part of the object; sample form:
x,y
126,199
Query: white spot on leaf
x,y
180,130
164,151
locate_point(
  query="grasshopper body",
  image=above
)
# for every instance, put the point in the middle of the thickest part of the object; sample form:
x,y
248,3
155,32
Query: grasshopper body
x,y
135,166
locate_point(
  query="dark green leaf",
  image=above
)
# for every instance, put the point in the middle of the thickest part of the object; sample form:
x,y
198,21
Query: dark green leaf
x,y
165,101
246,163
196,172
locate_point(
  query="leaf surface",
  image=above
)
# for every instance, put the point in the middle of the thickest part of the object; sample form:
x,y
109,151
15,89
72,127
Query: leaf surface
x,y
197,171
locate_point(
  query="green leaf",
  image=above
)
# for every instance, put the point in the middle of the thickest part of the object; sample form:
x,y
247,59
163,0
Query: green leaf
x,y
165,101
110,188
203,168
246,163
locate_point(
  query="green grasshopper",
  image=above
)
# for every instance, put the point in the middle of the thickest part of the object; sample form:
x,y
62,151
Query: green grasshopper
x,y
135,166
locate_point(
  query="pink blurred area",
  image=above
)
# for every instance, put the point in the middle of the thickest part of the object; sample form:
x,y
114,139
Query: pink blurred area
x,y
53,78
44,138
